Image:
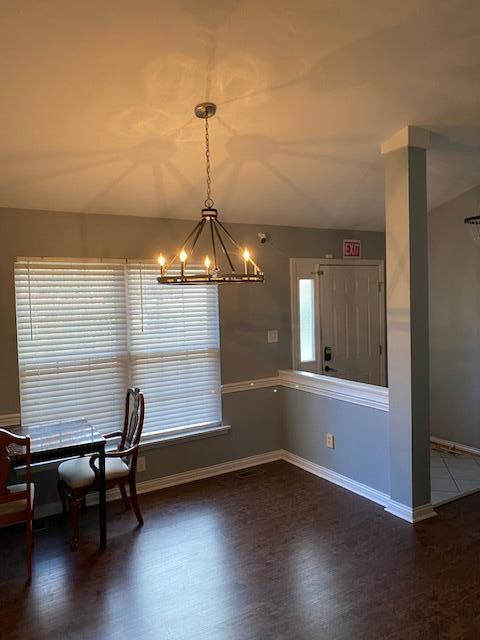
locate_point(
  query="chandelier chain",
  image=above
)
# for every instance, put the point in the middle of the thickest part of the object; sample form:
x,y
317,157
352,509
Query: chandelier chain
x,y
209,199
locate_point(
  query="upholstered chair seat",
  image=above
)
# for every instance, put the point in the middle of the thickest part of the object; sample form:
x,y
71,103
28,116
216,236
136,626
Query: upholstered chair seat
x,y
78,473
17,506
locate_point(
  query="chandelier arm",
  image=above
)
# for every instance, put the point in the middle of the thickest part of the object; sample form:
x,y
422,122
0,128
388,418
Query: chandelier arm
x,y
214,248
185,242
215,226
229,235
197,235
183,245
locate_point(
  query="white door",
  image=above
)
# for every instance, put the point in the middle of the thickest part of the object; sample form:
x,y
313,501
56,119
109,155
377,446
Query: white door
x,y
350,326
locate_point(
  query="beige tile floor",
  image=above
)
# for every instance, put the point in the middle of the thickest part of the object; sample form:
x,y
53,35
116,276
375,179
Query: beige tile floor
x,y
453,475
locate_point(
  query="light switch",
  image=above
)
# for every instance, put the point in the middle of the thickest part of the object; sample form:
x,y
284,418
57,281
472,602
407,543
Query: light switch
x,y
272,335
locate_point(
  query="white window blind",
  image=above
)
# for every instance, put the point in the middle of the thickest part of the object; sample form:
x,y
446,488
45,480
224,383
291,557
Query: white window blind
x,y
174,350
87,330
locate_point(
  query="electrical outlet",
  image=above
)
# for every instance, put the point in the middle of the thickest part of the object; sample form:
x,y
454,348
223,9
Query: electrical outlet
x,y
272,335
141,464
330,441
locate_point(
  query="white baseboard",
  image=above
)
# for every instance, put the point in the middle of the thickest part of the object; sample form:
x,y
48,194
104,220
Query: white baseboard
x,y
454,446
332,476
395,508
169,481
410,514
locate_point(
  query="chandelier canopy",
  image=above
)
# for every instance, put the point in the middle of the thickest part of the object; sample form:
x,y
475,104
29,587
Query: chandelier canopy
x,y
218,263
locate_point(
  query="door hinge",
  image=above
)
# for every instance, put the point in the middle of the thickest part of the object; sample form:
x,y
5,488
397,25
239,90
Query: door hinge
x,y
380,349
380,287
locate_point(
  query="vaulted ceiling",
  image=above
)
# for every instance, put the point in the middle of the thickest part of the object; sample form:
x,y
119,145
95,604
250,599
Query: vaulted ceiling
x,y
96,113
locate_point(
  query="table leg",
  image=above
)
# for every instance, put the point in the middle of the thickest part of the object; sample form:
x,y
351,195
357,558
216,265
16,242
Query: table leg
x,y
103,499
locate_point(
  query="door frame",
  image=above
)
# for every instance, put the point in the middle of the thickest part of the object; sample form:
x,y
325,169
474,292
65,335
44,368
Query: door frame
x,y
302,268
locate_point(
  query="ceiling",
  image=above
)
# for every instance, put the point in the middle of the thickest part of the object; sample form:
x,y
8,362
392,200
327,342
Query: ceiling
x,y
97,104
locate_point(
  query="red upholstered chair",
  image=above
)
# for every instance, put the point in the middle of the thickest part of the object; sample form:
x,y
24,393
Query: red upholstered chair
x,y
79,476
16,501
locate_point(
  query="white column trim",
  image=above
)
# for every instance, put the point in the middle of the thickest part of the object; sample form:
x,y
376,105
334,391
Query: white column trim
x,y
416,514
407,137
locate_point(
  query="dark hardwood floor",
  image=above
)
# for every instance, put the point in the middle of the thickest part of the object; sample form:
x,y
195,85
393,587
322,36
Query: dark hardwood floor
x,y
280,556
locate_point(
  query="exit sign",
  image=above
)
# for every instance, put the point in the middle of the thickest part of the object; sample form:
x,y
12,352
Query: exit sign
x,y
352,248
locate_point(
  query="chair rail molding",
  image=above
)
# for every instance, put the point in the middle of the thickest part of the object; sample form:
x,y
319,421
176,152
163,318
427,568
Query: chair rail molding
x,y
356,392
250,385
367,395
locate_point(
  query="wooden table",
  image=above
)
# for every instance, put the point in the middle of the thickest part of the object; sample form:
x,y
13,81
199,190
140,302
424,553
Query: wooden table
x,y
68,439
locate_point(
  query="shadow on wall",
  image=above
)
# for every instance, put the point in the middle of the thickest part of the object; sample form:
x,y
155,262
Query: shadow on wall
x,y
158,129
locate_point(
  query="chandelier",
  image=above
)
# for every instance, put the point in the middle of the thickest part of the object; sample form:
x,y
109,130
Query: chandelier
x,y
218,264
474,227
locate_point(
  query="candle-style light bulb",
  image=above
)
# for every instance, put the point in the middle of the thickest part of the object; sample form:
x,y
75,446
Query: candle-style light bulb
x,y
246,257
161,262
183,258
207,262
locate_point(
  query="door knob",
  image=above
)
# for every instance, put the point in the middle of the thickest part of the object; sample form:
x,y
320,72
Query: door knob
x,y
327,368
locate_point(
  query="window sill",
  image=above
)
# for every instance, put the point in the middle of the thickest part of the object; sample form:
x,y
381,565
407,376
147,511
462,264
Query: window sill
x,y
165,441
154,443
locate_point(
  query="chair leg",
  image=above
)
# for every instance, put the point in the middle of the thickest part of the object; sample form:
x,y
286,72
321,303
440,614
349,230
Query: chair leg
x,y
63,496
29,549
134,501
74,508
84,504
123,491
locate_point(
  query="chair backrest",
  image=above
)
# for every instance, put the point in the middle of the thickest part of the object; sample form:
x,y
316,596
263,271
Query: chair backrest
x,y
7,439
133,424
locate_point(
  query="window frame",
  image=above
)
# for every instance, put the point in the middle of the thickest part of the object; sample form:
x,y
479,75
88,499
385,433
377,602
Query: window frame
x,y
169,433
301,268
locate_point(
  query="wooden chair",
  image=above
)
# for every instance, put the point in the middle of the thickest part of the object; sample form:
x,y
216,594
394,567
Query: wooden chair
x,y
16,501
80,475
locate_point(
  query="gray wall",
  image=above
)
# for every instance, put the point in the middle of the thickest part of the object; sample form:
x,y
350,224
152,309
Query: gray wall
x,y
454,268
256,428
361,436
246,313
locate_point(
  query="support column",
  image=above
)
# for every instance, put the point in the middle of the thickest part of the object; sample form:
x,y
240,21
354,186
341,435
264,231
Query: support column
x,y
407,323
